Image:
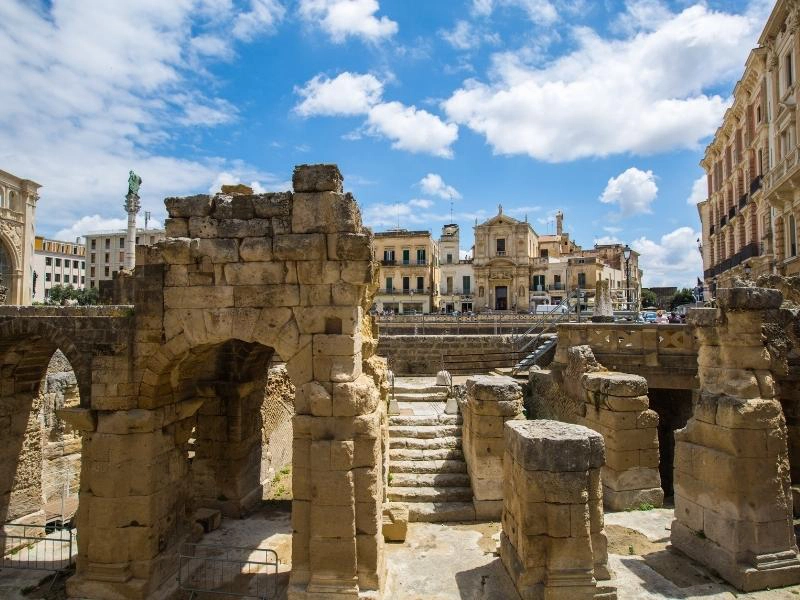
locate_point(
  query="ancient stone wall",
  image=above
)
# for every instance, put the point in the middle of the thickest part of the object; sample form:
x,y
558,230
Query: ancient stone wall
x,y
553,544
426,354
733,504
490,402
277,411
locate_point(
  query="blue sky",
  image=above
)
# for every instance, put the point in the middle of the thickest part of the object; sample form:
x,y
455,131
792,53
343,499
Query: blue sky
x,y
599,108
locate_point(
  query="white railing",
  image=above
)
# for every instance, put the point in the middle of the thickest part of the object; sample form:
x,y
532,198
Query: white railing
x,y
782,169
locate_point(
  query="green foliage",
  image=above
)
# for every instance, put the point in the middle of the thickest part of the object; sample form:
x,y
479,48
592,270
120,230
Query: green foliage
x,y
631,550
645,506
85,297
649,298
682,296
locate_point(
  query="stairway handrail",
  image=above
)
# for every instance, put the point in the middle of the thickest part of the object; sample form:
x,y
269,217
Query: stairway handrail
x,y
547,325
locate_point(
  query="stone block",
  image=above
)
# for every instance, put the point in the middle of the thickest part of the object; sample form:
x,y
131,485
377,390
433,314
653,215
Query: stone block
x,y
395,522
274,204
350,246
176,227
301,246
223,250
317,178
544,445
255,273
613,383
256,249
188,206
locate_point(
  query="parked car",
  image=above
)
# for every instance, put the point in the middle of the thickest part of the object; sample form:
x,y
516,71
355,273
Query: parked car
x,y
649,317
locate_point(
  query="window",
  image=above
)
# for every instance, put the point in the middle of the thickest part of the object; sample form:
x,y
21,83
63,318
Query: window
x,y
544,253
58,262
137,240
420,284
106,271
388,256
406,283
93,258
113,273
94,244
83,264
466,284
538,283
787,63
449,259
406,256
91,272
389,284
48,277
108,243
501,246
581,279
48,260
83,279
107,258
74,249
421,256
792,237
121,242
74,279
121,257
74,264
58,277
152,240
91,284
449,285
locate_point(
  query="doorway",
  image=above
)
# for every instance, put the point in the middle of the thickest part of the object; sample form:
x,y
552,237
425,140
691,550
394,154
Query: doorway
x,y
501,297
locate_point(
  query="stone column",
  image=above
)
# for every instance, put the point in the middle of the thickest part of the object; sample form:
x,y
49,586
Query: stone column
x,y
132,206
616,405
553,544
733,506
490,402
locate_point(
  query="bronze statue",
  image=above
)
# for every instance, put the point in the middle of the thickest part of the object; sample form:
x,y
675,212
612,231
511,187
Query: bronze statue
x,y
134,181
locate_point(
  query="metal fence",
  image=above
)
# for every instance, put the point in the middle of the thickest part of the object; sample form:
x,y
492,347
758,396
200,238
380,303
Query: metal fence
x,y
228,571
38,547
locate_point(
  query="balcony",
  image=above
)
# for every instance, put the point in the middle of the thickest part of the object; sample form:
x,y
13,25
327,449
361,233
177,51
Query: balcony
x,y
457,292
388,263
500,253
556,287
537,288
781,173
399,292
755,184
749,251
731,212
743,200
404,263
723,220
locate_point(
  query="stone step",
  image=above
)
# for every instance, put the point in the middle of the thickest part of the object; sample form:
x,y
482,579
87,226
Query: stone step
x,y
424,431
417,388
429,494
419,396
427,466
440,512
425,443
425,420
404,454
435,480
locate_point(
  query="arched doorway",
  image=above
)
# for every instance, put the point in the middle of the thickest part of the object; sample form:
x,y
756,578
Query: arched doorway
x,y
6,272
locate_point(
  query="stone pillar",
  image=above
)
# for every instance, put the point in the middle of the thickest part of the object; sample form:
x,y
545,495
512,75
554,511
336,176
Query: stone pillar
x,y
132,206
490,402
553,544
733,506
616,405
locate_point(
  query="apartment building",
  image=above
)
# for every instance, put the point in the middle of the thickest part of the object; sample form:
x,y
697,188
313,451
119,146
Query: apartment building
x,y
457,276
105,251
56,262
749,220
409,271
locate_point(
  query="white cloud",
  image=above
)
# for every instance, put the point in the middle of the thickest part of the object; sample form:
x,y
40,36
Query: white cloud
x,y
632,191
346,94
263,16
645,93
674,260
607,239
95,223
699,191
341,19
412,129
434,185
462,37
541,12
99,89
421,203
243,175
611,229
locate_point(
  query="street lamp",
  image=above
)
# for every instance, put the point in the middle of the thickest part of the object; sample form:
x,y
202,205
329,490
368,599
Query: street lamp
x,y
626,254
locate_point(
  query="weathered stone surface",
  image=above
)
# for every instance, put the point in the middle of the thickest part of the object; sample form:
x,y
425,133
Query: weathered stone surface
x,y
317,178
748,298
189,206
395,522
554,446
273,204
615,384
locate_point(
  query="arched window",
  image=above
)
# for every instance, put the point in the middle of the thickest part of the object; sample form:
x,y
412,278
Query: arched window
x,y
2,198
6,269
791,237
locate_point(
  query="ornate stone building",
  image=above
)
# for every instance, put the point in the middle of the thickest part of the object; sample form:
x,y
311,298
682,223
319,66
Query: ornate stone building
x,y
749,221
457,280
17,217
409,273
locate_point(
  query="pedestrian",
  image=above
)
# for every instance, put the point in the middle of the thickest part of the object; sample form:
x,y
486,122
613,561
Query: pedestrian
x,y
661,317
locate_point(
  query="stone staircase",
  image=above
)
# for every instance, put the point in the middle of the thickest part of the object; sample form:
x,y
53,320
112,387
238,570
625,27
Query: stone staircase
x,y
407,389
427,469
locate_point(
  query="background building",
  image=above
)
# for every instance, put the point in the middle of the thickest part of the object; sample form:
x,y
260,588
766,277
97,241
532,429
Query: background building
x,y
105,252
457,277
409,272
17,225
56,262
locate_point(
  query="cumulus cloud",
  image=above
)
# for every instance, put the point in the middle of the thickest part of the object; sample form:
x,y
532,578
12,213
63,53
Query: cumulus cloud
x,y
632,191
341,19
434,185
98,88
256,181
346,94
462,37
644,93
262,16
349,94
699,191
671,261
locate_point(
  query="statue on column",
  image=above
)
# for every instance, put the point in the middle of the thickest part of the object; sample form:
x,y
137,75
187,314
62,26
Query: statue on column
x,y
134,181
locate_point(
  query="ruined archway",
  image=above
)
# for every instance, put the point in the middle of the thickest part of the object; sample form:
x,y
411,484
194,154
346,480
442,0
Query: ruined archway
x,y
241,278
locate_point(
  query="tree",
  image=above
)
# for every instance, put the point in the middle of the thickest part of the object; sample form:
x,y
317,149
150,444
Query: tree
x,y
682,296
85,297
649,297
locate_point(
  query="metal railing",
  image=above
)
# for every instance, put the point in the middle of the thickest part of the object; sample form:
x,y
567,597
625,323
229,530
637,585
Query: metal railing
x,y
749,251
755,184
403,292
743,200
228,571
731,212
38,547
